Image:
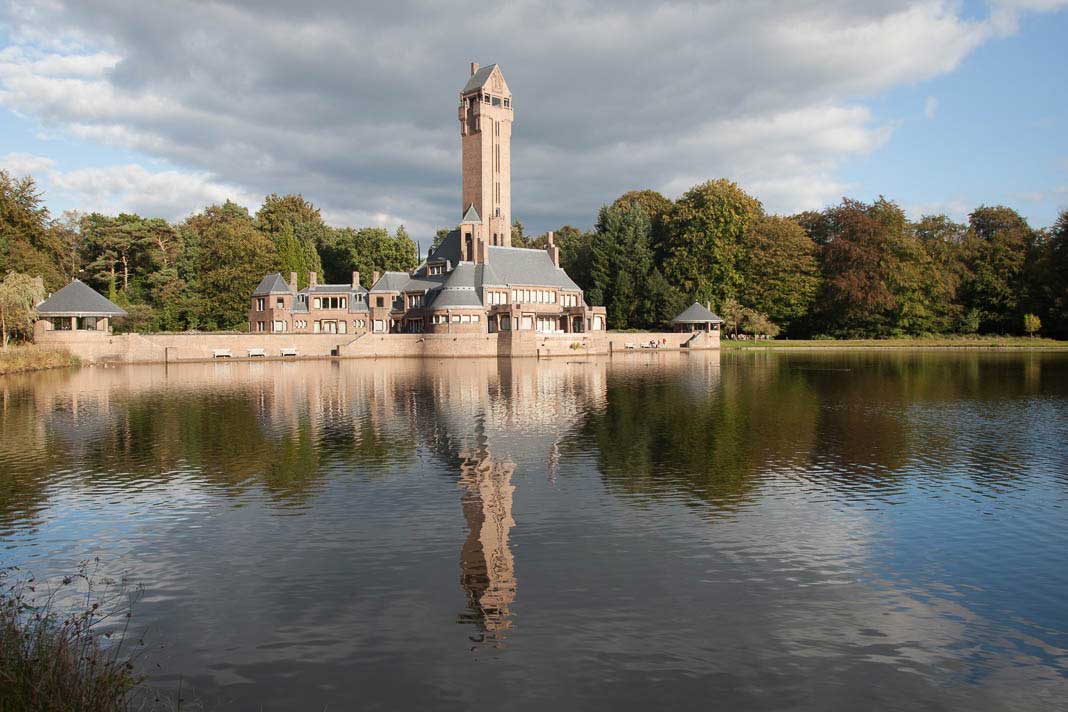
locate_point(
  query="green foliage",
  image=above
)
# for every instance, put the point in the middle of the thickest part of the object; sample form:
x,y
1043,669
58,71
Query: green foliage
x,y
994,253
296,228
622,270
780,271
1032,324
19,295
365,250
29,242
705,241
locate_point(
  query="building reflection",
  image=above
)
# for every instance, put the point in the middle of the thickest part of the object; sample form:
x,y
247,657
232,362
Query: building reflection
x,y
487,567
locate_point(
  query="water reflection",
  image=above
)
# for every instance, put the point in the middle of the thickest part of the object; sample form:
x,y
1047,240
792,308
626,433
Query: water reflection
x,y
889,525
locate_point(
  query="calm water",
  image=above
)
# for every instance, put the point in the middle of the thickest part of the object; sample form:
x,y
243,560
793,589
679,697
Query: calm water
x,y
666,531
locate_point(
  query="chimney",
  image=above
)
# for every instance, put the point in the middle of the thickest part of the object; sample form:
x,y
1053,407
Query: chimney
x,y
292,281
552,249
313,279
474,68
374,278
708,306
355,279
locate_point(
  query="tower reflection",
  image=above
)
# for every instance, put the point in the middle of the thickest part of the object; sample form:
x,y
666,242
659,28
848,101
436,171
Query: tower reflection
x,y
487,568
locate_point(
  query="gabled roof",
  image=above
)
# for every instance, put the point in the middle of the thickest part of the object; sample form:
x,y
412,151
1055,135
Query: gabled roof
x,y
525,266
271,284
471,217
391,282
696,313
478,79
79,299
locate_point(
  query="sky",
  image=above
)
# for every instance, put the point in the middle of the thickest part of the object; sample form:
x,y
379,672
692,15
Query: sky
x,y
165,107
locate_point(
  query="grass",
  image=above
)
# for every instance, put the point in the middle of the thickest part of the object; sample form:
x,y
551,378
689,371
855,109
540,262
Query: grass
x,y
64,646
17,358
931,342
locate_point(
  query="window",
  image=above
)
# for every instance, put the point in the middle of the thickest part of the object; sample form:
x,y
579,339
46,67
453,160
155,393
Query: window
x,y
261,303
317,303
415,300
476,318
341,327
380,301
280,303
379,325
278,327
507,103
455,318
465,318
435,269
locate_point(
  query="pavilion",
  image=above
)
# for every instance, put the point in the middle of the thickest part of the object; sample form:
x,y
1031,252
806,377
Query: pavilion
x,y
78,307
696,317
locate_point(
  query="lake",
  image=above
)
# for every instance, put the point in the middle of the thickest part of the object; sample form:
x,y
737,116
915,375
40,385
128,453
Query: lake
x,y
849,530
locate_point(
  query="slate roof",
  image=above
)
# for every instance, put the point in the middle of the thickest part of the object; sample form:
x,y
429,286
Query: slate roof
x,y
471,216
391,282
79,299
334,289
460,290
525,266
478,78
696,313
271,284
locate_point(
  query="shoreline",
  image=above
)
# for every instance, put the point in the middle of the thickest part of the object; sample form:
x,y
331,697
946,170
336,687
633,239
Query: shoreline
x,y
1006,343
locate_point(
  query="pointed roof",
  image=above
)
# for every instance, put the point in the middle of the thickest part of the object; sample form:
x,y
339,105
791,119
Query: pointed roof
x,y
471,217
271,284
697,313
79,299
459,289
479,78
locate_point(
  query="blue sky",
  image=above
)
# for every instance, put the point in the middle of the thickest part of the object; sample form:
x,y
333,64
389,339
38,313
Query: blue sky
x,y
167,107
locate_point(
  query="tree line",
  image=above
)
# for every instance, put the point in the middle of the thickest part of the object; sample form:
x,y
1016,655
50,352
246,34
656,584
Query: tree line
x,y
196,274
854,269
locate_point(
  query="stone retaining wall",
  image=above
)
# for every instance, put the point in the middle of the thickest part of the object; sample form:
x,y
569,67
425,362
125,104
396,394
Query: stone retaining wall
x,y
101,347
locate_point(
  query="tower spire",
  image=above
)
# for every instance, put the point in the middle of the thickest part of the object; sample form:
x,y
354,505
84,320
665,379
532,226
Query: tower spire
x,y
486,136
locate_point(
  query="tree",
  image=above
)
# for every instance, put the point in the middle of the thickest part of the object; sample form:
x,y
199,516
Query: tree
x,y
758,323
705,236
19,296
1031,324
27,242
733,315
232,257
519,238
297,229
1053,282
621,262
995,252
878,278
655,206
366,250
780,271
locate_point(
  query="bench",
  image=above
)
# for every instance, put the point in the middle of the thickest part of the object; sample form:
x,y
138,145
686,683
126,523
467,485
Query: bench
x,y
288,351
629,345
220,353
257,352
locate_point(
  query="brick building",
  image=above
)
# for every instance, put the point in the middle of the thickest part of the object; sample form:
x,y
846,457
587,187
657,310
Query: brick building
x,y
473,282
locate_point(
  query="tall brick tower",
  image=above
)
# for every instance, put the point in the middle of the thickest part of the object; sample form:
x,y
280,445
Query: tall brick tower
x,y
486,133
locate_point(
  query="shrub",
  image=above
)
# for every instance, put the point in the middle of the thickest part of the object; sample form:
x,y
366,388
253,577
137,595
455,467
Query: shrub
x,y
59,656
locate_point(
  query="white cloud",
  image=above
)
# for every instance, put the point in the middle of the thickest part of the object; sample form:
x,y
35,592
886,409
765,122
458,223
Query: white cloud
x,y
355,106
1033,197
26,164
930,107
171,194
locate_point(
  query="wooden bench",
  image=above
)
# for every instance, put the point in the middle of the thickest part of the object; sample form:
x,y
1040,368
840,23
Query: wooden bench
x,y
288,351
257,352
220,353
